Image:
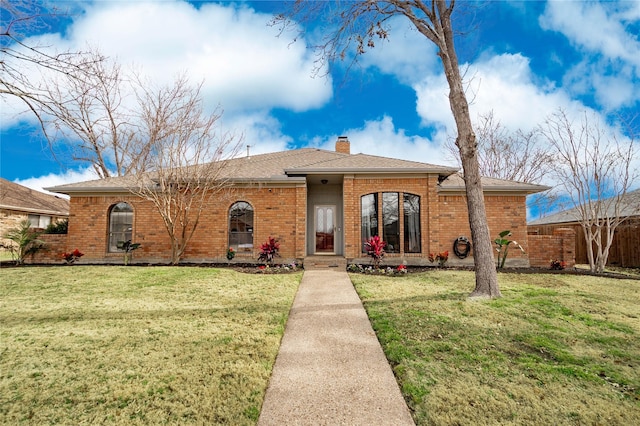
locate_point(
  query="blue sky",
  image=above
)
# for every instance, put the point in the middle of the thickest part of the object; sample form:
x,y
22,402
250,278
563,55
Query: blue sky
x,y
523,60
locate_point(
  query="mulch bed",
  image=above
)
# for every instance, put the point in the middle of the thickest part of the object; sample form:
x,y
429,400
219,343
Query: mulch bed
x,y
251,268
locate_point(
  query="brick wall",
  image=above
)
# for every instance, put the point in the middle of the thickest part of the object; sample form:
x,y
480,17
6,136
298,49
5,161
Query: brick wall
x,y
280,211
444,218
10,219
54,246
559,246
504,212
275,214
354,188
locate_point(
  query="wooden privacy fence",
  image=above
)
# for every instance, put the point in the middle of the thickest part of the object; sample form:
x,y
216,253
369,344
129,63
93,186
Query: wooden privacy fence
x,y
624,252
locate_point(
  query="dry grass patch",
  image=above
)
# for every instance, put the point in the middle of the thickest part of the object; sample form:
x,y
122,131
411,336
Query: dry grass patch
x,y
556,349
106,345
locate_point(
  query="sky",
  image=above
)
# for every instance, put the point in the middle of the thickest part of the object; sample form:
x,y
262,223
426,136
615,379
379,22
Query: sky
x,y
522,60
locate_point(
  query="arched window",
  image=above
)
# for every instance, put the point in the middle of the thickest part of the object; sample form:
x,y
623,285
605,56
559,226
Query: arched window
x,y
120,224
241,227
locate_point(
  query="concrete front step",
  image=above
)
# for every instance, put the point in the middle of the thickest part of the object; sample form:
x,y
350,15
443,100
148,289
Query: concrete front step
x,y
312,263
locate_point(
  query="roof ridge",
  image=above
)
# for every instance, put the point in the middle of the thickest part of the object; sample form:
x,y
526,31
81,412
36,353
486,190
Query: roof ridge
x,y
361,154
276,154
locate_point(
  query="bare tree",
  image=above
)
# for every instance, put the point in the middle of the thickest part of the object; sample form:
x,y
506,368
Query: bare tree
x,y
519,155
21,61
183,168
512,155
89,113
595,167
358,24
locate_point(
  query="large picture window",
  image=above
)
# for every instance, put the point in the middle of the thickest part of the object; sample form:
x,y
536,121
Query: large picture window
x,y
412,224
120,225
394,221
241,227
369,218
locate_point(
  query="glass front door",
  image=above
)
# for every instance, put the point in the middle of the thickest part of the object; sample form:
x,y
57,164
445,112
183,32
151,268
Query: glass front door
x,y
325,224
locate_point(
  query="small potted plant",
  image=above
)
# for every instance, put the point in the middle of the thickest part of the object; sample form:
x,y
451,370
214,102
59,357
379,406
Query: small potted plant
x,y
375,248
269,250
71,257
441,258
128,247
230,254
557,265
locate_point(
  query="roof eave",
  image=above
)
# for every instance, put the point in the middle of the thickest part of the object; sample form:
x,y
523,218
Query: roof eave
x,y
532,189
84,189
271,179
350,170
124,189
33,210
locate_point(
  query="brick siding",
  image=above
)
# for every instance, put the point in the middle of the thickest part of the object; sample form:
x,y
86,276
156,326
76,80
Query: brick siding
x,y
504,212
280,211
54,246
559,246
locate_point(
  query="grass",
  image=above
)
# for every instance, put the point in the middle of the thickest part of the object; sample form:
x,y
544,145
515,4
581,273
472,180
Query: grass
x,y
128,345
556,349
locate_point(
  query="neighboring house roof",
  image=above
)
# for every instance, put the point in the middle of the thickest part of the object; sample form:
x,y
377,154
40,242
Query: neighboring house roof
x,y
630,206
294,165
22,199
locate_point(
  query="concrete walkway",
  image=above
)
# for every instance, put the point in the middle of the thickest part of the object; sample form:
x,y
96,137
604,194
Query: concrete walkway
x,y
331,369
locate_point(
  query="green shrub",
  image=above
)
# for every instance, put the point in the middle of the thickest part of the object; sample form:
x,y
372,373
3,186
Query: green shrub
x,y
25,241
59,227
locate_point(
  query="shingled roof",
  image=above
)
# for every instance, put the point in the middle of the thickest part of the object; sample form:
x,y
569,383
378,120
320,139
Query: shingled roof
x,y
293,165
19,198
630,206
284,166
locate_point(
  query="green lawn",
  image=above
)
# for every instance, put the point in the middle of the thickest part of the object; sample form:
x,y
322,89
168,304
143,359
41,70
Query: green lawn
x,y
106,345
556,349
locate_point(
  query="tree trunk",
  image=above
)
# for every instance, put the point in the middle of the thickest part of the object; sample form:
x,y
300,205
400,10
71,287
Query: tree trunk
x,y
486,275
588,237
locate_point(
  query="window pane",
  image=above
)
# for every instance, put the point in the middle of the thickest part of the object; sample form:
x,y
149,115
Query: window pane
x,y
44,221
391,228
241,227
369,217
34,220
120,225
412,224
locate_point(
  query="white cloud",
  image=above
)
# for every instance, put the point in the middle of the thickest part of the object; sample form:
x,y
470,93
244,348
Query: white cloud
x,y
243,64
597,27
606,33
407,54
259,130
38,183
502,83
381,138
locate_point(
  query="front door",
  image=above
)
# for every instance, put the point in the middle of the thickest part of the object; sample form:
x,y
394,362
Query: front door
x,y
325,225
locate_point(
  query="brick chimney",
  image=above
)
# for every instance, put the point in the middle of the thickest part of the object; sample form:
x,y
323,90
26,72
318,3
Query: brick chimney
x,y
343,145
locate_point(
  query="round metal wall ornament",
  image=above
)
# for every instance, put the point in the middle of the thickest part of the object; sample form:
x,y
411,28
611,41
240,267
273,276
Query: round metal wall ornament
x,y
462,247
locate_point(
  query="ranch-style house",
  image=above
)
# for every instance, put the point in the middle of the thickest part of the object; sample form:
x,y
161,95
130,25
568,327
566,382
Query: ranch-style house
x,y
314,202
